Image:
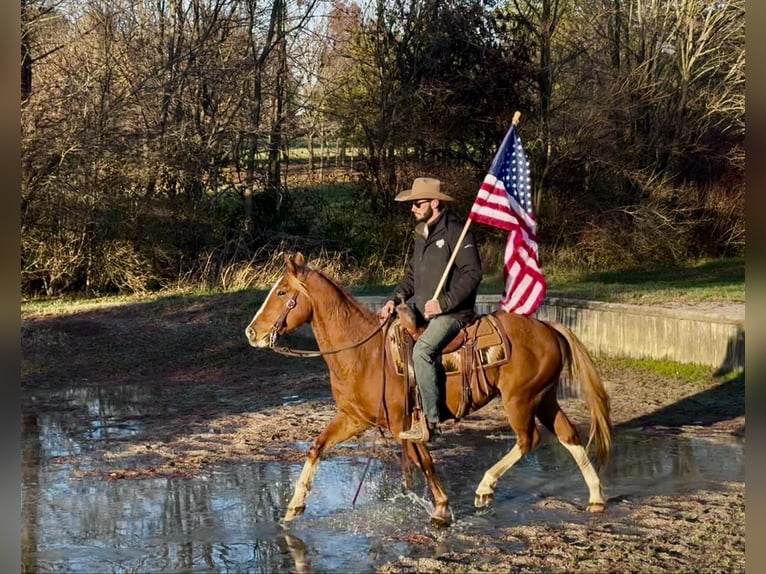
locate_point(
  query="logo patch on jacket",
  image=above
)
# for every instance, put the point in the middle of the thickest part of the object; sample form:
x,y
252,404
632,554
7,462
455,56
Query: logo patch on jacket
x,y
440,243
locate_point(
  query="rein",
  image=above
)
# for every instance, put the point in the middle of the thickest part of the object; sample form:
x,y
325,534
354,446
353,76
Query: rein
x,y
287,351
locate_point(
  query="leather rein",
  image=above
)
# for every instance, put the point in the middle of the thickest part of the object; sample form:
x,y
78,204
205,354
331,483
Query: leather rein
x,y
279,324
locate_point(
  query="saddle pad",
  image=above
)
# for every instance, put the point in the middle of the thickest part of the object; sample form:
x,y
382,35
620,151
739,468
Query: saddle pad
x,y
482,335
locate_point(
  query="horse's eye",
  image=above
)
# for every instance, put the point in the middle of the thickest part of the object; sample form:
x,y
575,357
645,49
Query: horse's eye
x,y
281,293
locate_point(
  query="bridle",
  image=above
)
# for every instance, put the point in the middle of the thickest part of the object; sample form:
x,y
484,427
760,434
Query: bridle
x,y
281,322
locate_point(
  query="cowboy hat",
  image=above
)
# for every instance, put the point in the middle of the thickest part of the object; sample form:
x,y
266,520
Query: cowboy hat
x,y
424,188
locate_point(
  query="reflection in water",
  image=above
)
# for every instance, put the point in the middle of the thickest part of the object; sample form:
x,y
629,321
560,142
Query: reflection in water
x,y
228,519
30,461
299,553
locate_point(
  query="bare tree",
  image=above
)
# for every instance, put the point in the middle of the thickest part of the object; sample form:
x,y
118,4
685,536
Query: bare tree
x,y
548,27
679,87
264,37
322,66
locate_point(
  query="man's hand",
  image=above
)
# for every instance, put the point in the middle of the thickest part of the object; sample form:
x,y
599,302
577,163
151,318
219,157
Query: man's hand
x,y
386,310
432,308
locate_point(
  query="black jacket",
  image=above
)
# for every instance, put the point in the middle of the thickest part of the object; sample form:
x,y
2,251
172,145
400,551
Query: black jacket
x,y
429,258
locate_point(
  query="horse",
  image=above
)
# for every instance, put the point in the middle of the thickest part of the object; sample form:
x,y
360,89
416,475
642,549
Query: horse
x,y
368,391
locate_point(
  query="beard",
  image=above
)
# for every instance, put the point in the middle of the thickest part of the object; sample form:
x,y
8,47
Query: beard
x,y
425,216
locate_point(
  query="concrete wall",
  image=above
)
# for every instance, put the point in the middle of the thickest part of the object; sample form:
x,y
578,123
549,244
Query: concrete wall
x,y
643,331
638,331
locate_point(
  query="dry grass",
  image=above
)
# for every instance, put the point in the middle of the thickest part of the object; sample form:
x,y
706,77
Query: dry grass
x,y
265,266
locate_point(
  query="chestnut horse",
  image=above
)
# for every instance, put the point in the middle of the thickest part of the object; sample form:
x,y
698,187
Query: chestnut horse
x,y
369,393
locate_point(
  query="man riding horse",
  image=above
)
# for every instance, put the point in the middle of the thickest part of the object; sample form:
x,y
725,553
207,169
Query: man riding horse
x,y
437,233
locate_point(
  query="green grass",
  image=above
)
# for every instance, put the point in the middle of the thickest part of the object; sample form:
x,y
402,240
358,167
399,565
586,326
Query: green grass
x,y
687,372
718,281
300,151
160,301
65,305
714,281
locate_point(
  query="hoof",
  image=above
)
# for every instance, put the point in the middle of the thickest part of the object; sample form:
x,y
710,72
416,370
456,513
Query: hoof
x,y
483,500
596,507
293,513
441,521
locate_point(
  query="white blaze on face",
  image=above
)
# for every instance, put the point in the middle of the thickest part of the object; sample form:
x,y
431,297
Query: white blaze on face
x,y
258,314
267,299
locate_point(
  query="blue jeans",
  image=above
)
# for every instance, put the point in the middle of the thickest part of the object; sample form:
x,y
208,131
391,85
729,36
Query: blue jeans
x,y
426,358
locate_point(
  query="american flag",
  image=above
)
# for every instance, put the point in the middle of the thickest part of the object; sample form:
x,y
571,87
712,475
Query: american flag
x,y
505,201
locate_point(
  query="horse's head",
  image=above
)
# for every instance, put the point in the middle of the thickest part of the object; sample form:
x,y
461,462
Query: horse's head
x,y
287,306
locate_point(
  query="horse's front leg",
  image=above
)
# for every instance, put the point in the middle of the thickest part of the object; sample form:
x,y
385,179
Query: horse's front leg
x,y
341,427
419,454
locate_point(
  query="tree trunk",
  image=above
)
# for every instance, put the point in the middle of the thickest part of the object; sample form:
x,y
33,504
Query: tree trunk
x,y
259,63
310,144
274,176
321,158
26,56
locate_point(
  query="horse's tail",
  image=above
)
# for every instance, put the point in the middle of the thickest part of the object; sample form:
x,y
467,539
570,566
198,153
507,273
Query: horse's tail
x,y
582,369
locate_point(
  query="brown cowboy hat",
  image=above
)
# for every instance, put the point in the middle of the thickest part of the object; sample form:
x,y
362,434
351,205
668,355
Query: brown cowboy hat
x,y
424,188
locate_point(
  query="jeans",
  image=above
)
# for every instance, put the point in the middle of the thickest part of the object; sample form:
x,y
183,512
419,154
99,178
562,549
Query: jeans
x,y
426,358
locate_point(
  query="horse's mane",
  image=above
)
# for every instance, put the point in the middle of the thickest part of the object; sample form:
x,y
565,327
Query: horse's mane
x,y
300,285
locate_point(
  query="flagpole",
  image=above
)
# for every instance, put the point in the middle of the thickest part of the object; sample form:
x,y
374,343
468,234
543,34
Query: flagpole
x,y
452,259
440,286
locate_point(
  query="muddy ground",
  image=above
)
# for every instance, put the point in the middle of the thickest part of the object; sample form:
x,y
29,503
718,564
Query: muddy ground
x,y
216,399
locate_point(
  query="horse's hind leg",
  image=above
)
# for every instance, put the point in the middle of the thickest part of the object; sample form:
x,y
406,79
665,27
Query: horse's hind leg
x,y
521,416
341,427
550,414
419,455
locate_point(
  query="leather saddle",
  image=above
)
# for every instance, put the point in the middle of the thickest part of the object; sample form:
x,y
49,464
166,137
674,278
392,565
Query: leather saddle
x,y
484,335
477,346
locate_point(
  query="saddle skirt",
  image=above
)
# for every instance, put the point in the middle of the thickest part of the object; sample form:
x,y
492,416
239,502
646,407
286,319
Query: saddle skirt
x,y
483,339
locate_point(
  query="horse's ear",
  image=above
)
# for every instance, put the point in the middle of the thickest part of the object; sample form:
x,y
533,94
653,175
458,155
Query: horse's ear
x,y
295,265
290,265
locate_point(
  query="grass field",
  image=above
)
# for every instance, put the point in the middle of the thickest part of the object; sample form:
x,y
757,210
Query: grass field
x,y
721,280
707,281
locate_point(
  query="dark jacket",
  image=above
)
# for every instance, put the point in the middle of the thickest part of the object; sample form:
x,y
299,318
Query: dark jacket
x,y
429,259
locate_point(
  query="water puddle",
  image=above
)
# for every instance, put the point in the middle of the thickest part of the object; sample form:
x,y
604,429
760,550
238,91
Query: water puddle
x,y
229,518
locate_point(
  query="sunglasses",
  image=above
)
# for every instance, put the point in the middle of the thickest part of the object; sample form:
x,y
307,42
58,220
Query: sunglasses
x,y
421,202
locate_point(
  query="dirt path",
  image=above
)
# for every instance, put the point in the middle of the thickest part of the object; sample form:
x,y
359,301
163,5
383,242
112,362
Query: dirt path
x,y
215,399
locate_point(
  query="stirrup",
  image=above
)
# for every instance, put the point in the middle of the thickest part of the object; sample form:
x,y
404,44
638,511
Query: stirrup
x,y
421,431
415,434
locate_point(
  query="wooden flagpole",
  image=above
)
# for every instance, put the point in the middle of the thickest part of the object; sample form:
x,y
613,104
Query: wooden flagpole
x,y
440,286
